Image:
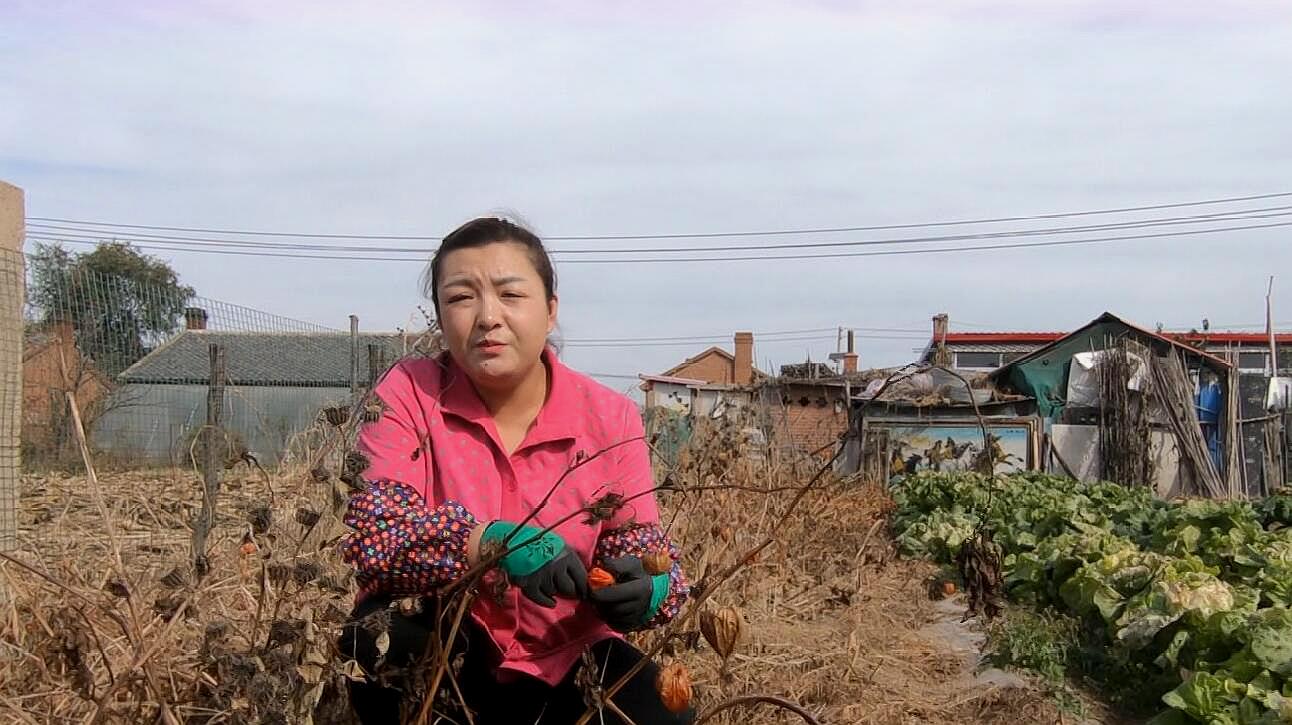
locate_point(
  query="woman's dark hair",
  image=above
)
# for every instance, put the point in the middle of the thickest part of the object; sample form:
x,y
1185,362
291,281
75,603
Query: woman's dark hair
x,y
489,230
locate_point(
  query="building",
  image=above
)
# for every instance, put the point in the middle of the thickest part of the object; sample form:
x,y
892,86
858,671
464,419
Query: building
x,y
804,409
277,384
1110,400
987,351
52,367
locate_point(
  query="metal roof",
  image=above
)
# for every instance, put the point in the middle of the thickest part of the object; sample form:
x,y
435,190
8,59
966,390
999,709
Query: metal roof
x,y
298,359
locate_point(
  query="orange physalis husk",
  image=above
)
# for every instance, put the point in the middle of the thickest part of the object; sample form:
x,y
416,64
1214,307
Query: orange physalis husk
x,y
674,687
599,578
948,588
658,562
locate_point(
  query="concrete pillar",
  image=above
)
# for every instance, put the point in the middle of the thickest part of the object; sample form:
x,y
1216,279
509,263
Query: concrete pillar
x,y
12,281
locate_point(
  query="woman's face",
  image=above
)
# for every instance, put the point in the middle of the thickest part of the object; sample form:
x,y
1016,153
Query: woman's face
x,y
494,312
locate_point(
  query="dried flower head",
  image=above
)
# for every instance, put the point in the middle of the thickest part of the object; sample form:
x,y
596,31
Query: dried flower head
x,y
337,415
284,631
355,462
304,572
260,519
280,573
174,578
320,474
373,411
117,588
306,517
603,509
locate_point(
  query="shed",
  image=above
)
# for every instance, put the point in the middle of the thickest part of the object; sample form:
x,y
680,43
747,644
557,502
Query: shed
x,y
277,384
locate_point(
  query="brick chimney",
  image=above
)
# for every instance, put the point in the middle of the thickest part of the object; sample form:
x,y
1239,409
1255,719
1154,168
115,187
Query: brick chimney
x,y
194,318
941,323
850,357
744,368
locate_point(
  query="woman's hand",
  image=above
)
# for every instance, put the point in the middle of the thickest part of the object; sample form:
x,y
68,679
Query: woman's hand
x,y
635,596
543,568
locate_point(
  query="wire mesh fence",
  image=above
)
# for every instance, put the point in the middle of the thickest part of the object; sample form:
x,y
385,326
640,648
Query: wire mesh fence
x,y
137,359
11,294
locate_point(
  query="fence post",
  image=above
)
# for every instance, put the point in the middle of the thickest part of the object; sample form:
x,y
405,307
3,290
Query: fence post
x,y
12,224
211,462
354,360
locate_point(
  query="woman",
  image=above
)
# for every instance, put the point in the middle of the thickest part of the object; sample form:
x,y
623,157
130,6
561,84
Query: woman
x,y
467,447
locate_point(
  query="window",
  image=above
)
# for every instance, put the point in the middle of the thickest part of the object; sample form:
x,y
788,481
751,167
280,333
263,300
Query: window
x,y
1253,361
978,360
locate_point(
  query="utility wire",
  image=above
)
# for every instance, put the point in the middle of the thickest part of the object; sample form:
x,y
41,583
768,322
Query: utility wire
x,y
743,258
699,235
100,234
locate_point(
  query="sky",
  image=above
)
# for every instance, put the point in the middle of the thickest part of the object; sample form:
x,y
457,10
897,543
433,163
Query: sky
x,y
595,119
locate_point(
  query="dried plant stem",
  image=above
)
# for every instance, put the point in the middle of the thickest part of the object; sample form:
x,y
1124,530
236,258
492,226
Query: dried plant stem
x,y
442,666
754,700
707,587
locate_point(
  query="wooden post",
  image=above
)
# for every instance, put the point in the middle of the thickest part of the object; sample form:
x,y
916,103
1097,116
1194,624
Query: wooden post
x,y
354,359
12,224
211,463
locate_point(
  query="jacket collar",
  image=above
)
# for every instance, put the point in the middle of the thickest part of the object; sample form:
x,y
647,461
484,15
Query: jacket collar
x,y
557,419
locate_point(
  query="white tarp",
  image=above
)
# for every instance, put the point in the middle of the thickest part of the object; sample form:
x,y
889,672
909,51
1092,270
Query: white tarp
x,y
1083,377
1279,395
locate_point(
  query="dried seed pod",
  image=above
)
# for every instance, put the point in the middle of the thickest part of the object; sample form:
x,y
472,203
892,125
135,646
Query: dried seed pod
x,y
372,411
355,462
305,572
284,631
280,573
117,588
167,607
260,519
320,474
674,687
337,415
722,629
215,631
306,517
657,562
174,578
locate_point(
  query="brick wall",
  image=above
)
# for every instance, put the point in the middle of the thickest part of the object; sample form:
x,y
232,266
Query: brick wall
x,y
807,418
711,368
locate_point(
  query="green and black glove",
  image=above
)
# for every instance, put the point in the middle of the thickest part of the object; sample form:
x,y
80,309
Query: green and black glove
x,y
634,598
543,568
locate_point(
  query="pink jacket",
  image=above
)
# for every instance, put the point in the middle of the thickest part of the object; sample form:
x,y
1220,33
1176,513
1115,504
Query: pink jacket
x,y
437,469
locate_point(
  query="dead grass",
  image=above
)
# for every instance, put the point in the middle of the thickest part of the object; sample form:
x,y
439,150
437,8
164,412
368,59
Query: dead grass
x,y
834,618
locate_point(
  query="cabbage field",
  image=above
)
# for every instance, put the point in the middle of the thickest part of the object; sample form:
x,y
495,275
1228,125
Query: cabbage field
x,y
1197,592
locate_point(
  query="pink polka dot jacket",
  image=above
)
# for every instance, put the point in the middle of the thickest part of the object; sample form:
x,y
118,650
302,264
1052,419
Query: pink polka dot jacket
x,y
437,469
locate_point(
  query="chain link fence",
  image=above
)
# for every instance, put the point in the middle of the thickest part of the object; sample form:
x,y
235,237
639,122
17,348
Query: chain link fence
x,y
137,359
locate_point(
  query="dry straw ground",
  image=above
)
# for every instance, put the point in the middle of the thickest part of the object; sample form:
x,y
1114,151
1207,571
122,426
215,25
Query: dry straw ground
x,y
106,622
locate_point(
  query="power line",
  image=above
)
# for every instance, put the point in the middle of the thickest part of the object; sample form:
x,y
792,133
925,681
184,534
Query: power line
x,y
746,258
757,335
99,234
693,343
696,235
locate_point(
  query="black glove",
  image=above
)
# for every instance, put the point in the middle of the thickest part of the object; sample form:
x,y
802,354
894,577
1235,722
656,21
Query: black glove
x,y
626,604
565,575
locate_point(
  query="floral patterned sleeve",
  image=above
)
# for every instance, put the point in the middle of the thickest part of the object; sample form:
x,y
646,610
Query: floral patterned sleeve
x,y
401,547
640,540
